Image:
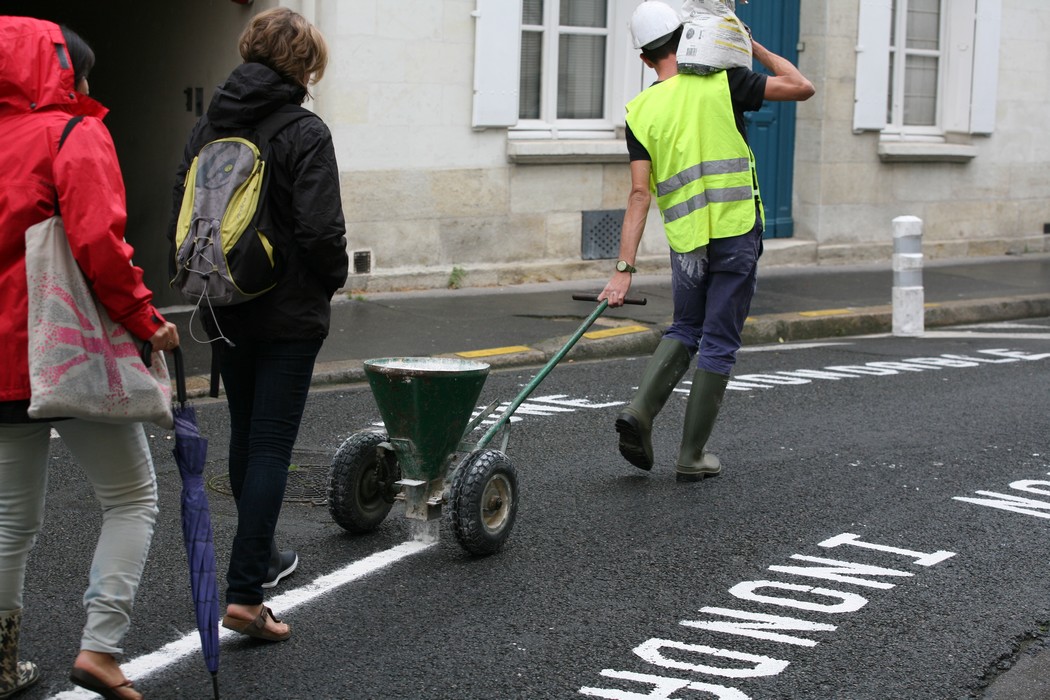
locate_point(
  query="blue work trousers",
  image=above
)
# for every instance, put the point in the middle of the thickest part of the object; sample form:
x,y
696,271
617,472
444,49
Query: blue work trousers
x,y
266,387
712,288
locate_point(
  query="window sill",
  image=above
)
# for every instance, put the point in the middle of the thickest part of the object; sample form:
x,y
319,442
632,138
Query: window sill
x,y
553,151
925,152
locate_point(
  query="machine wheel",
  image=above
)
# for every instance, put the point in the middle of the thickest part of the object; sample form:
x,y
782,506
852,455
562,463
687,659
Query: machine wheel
x,y
361,486
483,502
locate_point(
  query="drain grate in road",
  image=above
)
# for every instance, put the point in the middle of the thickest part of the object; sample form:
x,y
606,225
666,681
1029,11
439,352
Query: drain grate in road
x,y
307,480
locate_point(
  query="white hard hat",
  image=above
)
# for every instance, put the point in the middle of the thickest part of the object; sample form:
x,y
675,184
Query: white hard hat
x,y
652,24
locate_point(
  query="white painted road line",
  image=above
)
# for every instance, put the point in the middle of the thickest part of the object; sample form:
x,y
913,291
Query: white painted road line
x,y
145,666
789,346
1007,325
973,334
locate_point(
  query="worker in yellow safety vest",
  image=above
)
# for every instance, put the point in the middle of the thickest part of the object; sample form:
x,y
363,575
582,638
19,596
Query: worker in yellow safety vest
x,y
688,145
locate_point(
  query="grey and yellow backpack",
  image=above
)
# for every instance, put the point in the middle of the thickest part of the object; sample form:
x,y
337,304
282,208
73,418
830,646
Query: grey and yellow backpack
x,y
222,256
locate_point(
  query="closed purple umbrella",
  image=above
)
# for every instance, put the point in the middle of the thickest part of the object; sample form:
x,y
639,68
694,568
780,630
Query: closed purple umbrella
x,y
190,452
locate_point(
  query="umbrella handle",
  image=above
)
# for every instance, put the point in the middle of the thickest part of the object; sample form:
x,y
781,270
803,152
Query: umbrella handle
x,y
180,376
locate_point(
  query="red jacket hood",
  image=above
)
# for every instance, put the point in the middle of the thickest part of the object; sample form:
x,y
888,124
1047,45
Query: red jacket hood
x,y
35,70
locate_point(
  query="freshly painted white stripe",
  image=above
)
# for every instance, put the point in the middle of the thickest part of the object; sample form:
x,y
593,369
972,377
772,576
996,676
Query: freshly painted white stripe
x,y
970,334
171,653
1007,324
789,346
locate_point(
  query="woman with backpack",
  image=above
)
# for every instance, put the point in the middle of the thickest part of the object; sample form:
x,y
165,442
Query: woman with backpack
x,y
268,344
49,161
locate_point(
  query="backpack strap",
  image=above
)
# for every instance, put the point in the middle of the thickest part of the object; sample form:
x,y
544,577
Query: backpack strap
x,y
216,364
277,120
69,127
61,140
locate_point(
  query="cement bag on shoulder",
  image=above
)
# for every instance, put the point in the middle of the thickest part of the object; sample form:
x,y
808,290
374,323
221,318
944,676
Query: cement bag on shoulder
x,y
713,38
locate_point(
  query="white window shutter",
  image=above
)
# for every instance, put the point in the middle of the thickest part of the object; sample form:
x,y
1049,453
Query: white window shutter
x,y
987,38
497,62
626,59
957,66
873,65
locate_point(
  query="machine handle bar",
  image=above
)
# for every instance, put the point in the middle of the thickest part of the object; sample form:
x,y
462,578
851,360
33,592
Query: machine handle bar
x,y
594,297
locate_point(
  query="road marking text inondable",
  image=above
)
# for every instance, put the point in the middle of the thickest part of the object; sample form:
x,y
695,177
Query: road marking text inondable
x,y
748,382
675,657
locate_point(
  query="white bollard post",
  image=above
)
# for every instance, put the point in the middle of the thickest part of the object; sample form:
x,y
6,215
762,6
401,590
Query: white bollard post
x,y
908,312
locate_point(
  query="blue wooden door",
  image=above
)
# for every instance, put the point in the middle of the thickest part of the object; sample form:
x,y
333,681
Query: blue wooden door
x,y
771,130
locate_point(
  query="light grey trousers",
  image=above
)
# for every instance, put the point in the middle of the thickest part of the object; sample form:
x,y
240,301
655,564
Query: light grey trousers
x,y
117,461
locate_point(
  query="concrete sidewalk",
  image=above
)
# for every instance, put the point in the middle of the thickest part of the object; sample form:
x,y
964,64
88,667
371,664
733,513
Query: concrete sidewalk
x,y
527,324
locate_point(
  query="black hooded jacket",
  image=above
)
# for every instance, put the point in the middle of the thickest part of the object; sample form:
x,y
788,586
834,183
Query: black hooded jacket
x,y
302,206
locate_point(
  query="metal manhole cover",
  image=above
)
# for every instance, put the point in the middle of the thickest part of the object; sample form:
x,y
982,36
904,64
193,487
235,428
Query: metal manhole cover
x,y
307,480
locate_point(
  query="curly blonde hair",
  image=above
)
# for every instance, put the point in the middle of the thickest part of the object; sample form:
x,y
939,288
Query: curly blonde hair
x,y
284,41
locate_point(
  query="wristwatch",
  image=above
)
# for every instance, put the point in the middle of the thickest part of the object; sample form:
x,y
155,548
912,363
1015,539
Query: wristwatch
x,y
624,266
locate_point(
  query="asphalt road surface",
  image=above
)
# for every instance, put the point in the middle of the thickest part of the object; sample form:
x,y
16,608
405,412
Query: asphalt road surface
x,y
879,531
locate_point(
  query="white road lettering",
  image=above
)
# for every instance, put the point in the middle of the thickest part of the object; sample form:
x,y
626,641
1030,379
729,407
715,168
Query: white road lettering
x,y
921,558
982,359
531,409
759,625
663,688
901,366
870,369
561,400
773,379
1017,354
817,374
687,655
652,652
835,570
749,382
1016,504
939,362
845,602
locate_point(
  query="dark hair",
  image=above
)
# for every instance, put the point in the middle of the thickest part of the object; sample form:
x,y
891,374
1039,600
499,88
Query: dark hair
x,y
665,49
80,54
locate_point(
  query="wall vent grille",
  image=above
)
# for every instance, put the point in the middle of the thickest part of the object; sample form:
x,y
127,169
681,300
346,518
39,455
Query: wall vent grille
x,y
362,262
600,239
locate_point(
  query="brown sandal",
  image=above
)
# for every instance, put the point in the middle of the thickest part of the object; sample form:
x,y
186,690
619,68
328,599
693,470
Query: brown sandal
x,y
256,629
88,680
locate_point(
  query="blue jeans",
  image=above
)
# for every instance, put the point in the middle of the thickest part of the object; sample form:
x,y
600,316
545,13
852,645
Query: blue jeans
x,y
712,288
266,387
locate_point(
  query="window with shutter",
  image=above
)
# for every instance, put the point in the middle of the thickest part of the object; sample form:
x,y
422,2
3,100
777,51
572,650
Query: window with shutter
x,y
558,73
564,84
926,69
915,66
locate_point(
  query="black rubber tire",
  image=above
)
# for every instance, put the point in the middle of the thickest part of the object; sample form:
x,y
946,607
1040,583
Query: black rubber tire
x,y
356,499
483,502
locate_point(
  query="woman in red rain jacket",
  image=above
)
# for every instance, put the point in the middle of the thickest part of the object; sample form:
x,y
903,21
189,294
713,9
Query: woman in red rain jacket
x,y
43,84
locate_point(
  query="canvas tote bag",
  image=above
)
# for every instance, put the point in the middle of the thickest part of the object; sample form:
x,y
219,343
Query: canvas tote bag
x,y
81,363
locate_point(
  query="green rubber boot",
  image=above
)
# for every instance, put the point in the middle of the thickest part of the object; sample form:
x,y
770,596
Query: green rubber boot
x,y
666,367
705,398
15,675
